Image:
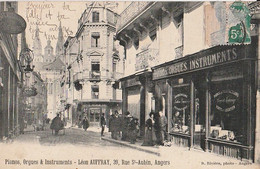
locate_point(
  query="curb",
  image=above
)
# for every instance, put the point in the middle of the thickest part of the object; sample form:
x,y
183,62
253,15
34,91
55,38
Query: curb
x,y
131,146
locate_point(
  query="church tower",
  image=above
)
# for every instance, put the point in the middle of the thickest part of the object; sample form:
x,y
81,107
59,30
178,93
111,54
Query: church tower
x,y
37,46
60,42
48,52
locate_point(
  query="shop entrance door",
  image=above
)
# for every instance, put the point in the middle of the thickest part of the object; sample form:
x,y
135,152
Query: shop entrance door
x,y
199,113
94,115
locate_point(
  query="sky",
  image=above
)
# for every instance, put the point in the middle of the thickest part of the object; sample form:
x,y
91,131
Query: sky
x,y
48,15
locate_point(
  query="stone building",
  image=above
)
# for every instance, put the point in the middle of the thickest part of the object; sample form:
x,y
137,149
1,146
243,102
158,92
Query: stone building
x,y
94,63
11,71
191,61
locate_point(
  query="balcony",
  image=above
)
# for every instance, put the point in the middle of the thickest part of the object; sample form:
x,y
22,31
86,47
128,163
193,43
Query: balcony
x,y
94,75
146,59
132,11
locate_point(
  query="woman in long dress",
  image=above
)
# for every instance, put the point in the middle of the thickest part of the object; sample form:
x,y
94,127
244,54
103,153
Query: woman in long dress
x,y
149,139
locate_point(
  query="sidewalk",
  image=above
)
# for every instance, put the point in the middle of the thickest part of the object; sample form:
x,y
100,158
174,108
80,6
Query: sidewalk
x,y
174,151
138,145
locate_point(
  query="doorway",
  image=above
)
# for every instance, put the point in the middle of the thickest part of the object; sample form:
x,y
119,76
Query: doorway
x,y
199,114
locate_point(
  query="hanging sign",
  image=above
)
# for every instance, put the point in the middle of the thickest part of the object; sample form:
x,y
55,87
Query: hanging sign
x,y
11,23
225,100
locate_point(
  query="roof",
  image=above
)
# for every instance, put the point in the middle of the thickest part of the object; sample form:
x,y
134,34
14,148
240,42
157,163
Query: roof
x,y
57,64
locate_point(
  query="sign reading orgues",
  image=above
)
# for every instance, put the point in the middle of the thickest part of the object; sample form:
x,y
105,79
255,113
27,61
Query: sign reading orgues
x,y
226,100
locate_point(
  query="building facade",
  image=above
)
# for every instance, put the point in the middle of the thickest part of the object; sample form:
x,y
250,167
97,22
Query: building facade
x,y
11,72
94,64
187,60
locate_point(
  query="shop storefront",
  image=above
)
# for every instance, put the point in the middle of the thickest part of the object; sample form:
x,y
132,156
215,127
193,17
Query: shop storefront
x,y
210,100
94,109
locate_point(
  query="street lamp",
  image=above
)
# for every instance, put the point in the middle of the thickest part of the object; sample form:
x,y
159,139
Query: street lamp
x,y
27,55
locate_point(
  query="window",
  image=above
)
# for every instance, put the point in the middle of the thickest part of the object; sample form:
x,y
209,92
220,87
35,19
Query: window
x,y
95,70
181,110
227,118
95,39
95,91
95,16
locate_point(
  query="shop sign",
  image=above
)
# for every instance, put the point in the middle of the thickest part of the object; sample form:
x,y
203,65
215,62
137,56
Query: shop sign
x,y
181,102
196,62
225,100
132,82
11,22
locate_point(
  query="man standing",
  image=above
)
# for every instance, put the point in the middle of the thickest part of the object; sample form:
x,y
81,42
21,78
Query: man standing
x,y
102,124
163,125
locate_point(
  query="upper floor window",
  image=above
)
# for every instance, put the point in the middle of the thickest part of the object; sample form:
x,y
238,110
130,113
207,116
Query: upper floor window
x,y
95,91
95,39
95,16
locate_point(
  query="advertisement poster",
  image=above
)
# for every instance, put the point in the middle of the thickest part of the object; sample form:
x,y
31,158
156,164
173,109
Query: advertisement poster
x,y
129,84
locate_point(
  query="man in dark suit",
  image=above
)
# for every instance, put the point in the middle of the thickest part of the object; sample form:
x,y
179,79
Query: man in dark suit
x,y
102,124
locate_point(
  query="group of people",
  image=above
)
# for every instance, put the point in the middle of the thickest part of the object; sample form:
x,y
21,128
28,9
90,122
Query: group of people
x,y
156,126
126,125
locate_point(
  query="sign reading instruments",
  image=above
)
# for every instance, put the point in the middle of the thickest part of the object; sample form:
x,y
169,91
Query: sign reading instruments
x,y
197,62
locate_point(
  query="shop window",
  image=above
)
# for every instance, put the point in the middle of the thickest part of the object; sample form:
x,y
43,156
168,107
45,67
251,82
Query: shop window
x,y
227,119
95,39
181,109
95,91
95,16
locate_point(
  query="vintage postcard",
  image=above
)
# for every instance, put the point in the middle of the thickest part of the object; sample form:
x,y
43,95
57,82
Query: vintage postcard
x,y
129,84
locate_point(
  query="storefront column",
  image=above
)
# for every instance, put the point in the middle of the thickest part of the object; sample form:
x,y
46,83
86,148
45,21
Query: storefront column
x,y
248,101
124,100
8,100
192,112
207,125
142,109
169,109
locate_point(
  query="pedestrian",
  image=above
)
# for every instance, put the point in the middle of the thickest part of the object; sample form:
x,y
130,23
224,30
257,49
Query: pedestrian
x,y
157,129
133,130
125,124
79,122
56,124
149,139
111,125
85,123
163,126
116,125
102,124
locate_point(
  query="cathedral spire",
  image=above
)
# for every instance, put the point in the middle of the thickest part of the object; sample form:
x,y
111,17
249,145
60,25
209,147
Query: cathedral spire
x,y
37,46
60,42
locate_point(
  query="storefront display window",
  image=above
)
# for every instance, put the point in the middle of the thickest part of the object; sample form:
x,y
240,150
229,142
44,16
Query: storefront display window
x,y
227,118
181,109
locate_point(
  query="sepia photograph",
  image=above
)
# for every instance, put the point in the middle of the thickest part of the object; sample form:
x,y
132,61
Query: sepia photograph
x,y
129,84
